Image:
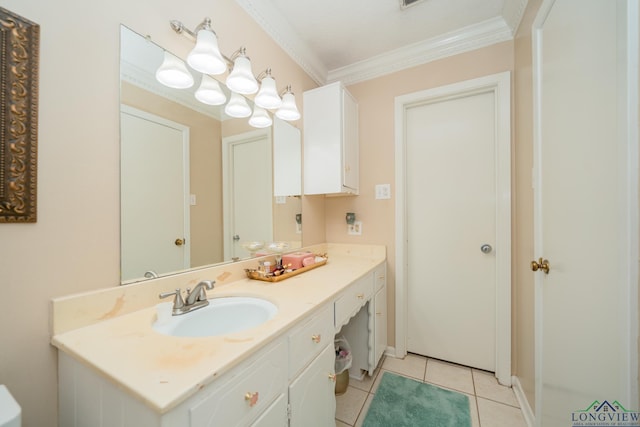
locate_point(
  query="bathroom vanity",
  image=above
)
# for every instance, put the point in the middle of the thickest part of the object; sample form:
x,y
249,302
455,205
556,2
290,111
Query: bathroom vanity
x,y
120,372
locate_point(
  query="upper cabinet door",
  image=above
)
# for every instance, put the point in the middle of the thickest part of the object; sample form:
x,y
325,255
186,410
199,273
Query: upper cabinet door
x,y
330,141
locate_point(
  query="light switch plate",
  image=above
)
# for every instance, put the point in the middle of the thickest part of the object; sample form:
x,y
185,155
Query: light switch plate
x,y
383,191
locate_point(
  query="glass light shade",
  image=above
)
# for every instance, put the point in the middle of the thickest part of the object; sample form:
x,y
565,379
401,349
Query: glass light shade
x,y
268,96
209,92
289,110
205,56
260,118
241,79
237,106
173,72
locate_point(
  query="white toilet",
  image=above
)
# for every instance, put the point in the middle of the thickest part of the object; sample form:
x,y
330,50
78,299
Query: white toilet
x,y
10,412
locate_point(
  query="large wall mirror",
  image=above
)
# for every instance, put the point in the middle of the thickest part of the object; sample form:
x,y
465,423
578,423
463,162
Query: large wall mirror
x,y
197,187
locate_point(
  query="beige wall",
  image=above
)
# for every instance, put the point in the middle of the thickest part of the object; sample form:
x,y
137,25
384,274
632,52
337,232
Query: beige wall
x,y
205,172
74,246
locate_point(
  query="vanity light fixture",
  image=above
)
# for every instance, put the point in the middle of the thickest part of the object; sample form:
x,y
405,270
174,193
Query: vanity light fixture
x,y
237,106
206,58
174,73
267,96
210,92
260,118
241,79
288,111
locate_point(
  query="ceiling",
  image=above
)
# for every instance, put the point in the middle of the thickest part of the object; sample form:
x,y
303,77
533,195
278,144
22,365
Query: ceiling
x,y
356,40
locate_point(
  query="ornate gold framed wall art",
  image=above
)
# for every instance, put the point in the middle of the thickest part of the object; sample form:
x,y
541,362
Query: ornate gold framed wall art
x,y
19,62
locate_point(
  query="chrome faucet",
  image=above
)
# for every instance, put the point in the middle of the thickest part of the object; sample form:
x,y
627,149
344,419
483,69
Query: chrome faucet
x,y
196,298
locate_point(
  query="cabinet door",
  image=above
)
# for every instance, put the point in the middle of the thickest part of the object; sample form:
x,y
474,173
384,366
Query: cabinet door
x,y
380,313
312,394
275,415
350,142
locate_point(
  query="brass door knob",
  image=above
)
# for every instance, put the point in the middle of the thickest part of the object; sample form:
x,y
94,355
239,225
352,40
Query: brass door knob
x,y
541,264
179,242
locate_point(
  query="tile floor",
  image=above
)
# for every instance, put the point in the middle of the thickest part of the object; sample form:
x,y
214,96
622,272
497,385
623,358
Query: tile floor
x,y
491,405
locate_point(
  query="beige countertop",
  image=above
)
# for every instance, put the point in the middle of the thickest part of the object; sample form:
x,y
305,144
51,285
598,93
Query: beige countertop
x,y
164,371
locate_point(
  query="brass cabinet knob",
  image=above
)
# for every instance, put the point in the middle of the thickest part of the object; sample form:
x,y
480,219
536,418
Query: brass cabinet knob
x,y
332,377
360,296
316,338
541,264
251,398
179,242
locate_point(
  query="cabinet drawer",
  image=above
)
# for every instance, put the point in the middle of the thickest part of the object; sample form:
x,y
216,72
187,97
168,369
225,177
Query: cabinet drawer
x,y
244,396
306,341
348,304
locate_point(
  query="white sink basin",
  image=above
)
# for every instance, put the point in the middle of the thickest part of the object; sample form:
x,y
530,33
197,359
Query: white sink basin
x,y
222,316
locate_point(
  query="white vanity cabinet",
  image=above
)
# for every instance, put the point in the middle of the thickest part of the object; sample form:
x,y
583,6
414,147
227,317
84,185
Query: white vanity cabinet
x,y
312,394
252,393
312,371
330,141
289,381
362,307
380,313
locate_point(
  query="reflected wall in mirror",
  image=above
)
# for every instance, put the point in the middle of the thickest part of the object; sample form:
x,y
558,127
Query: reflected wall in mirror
x,y
196,185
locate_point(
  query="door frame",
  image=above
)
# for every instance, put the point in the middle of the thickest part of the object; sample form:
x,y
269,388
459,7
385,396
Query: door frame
x,y
500,85
630,323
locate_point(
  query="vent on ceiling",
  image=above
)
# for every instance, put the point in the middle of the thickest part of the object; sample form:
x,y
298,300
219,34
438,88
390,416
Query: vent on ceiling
x,y
407,3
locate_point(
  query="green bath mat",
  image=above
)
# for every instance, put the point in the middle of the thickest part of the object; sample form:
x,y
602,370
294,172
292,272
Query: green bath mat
x,y
403,402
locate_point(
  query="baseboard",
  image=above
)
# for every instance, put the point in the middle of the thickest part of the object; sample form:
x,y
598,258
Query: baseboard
x,y
522,401
390,351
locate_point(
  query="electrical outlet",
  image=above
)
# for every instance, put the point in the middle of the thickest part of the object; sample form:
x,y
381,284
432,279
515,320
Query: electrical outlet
x,y
383,191
355,229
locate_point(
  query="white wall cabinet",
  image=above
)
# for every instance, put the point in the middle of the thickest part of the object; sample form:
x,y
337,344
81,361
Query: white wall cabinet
x,y
331,164
287,159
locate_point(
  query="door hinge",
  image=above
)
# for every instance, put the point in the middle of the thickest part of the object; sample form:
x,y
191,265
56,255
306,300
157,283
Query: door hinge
x,y
288,411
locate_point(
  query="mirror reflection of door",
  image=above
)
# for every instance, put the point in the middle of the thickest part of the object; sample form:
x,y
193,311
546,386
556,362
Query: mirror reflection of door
x,y
154,175
248,195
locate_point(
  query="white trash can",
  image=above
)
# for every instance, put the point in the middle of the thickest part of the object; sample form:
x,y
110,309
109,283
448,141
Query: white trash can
x,y
10,412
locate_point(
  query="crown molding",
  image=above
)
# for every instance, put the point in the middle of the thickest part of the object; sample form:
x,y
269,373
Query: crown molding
x,y
466,39
512,12
476,36
284,35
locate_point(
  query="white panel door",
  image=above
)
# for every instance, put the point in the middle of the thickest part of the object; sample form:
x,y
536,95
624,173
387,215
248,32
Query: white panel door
x,y
154,189
451,202
248,185
586,208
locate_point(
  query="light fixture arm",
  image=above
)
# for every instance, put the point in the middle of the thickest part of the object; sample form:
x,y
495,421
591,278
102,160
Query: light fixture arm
x,y
263,74
286,90
180,28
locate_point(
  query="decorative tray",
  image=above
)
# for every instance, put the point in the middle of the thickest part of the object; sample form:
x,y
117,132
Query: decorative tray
x,y
256,275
